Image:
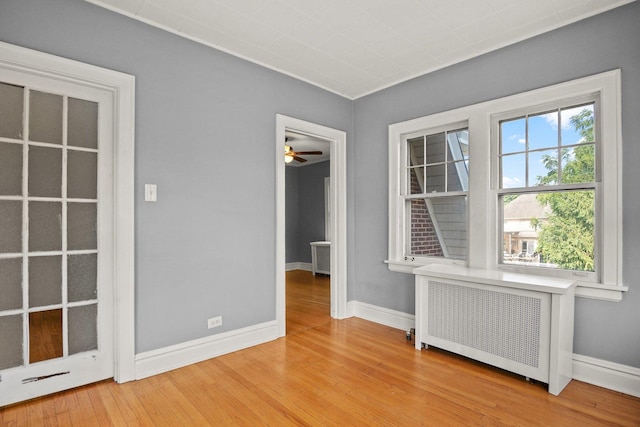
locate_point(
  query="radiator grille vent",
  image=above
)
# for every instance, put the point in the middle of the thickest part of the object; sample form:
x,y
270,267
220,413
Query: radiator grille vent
x,y
323,258
502,324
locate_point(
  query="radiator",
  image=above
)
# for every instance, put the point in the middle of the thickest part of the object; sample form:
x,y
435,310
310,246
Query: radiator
x,y
321,257
507,321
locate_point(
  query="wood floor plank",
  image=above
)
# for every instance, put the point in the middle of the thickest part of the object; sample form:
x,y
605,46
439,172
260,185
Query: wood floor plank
x,y
329,372
35,415
100,395
49,413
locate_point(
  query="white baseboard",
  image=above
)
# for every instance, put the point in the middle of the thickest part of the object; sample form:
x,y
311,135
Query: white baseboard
x,y
622,378
168,358
612,376
381,315
306,266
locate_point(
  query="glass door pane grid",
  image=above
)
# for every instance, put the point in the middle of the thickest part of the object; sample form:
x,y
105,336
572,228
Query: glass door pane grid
x,y
24,199
64,252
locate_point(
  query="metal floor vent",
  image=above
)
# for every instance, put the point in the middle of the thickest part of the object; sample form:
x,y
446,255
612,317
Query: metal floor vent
x,y
502,324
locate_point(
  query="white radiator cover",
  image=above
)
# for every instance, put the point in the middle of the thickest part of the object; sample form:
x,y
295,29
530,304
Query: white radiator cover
x,y
502,327
321,257
506,320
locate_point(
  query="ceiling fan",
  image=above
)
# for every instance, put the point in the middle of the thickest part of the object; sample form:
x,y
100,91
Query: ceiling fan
x,y
291,155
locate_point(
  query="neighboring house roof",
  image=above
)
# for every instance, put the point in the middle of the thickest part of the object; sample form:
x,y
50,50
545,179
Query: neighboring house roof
x,y
525,207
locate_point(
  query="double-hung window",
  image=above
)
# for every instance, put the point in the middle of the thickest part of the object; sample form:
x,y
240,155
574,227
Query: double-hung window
x,y
529,183
547,165
434,189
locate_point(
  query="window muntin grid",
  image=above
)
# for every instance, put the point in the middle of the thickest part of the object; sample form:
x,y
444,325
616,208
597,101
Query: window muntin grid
x,y
436,181
547,197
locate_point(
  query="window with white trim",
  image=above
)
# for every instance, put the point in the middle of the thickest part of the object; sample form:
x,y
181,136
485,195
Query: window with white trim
x,y
538,158
546,161
434,185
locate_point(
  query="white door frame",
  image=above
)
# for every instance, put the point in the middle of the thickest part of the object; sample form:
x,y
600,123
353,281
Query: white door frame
x,y
338,199
122,89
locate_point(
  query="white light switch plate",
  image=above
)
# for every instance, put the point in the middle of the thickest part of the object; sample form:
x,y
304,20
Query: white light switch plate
x,y
150,193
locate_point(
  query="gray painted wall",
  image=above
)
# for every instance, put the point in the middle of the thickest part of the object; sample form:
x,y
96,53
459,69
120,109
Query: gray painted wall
x,y
206,248
305,200
213,217
311,205
292,213
604,330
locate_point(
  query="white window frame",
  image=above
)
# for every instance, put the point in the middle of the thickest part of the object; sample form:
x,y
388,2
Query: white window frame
x,y
483,213
583,276
405,193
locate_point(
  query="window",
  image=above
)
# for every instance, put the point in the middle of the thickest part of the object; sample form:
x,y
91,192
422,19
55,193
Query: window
x,y
531,183
434,189
547,186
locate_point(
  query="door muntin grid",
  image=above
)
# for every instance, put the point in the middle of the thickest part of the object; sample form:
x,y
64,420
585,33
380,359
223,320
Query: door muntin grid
x,y
48,225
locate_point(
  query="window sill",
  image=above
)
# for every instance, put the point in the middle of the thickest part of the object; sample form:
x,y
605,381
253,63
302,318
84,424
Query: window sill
x,y
601,292
402,266
596,291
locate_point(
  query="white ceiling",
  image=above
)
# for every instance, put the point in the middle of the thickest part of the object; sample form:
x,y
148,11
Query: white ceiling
x,y
356,47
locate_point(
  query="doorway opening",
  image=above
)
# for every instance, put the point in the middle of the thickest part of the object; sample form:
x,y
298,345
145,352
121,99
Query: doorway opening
x,y
336,141
308,235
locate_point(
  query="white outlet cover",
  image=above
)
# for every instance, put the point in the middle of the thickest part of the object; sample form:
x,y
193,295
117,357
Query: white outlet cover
x,y
214,322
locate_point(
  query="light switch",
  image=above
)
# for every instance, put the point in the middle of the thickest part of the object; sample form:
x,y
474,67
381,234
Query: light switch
x,y
150,193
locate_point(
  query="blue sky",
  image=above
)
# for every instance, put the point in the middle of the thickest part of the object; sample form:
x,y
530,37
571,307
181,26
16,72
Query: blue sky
x,y
543,136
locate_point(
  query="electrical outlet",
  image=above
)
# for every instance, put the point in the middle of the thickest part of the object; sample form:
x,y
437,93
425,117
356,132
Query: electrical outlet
x,y
214,322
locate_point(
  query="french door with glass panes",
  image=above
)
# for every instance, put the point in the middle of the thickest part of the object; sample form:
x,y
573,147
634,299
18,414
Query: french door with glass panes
x,y
56,292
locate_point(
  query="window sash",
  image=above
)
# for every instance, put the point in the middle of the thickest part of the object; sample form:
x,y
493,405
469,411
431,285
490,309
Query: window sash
x,y
519,229
518,127
440,152
529,151
451,163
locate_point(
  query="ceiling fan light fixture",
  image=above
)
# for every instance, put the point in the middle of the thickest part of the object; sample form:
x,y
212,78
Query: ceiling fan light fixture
x,y
290,154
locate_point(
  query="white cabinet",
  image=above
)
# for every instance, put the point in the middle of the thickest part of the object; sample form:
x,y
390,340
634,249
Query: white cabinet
x,y
321,257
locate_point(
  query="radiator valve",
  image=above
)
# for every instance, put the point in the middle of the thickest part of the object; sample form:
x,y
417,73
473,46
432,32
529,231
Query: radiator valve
x,y
410,332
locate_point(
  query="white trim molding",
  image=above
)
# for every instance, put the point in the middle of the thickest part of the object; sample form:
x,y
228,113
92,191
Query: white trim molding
x,y
177,356
305,266
381,315
338,201
610,375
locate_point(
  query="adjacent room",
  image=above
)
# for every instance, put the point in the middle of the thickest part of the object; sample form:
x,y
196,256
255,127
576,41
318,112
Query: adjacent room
x,y
358,212
307,230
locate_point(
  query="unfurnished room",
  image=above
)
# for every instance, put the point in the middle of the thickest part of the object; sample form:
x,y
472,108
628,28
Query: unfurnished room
x,y
319,212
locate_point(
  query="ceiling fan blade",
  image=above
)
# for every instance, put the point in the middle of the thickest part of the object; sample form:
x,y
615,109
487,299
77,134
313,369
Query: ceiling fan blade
x,y
309,153
300,159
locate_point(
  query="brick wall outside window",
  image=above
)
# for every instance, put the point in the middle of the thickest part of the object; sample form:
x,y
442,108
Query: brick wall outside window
x,y
424,240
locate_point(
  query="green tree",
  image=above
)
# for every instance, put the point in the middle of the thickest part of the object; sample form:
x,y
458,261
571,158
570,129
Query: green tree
x,y
510,198
567,239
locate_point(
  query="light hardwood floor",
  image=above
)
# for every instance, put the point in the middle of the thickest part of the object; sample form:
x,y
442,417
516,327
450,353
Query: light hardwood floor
x,y
328,372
